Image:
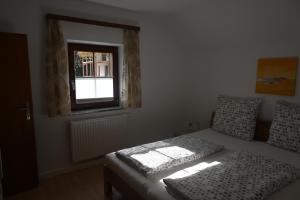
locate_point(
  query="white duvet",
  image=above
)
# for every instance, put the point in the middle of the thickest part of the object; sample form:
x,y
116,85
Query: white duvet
x,y
236,176
158,156
153,187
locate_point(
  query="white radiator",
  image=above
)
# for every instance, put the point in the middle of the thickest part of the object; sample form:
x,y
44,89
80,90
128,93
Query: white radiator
x,y
91,138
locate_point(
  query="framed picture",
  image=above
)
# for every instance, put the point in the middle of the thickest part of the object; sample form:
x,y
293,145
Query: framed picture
x,y
277,76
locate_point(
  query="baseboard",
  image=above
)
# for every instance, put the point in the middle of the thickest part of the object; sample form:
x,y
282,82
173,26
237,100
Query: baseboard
x,y
71,168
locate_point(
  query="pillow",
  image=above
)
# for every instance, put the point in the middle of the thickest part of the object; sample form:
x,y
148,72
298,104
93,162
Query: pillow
x,y
285,128
236,116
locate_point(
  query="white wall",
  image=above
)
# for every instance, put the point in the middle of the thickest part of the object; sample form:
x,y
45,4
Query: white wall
x,y
161,113
224,40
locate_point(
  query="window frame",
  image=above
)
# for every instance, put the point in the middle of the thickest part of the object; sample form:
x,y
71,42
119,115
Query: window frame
x,y
93,103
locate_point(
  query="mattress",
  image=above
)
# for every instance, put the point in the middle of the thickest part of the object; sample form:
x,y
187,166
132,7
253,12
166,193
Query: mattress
x,y
153,187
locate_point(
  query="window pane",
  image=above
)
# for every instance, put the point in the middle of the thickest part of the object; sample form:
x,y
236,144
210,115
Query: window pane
x,y
93,75
84,64
103,64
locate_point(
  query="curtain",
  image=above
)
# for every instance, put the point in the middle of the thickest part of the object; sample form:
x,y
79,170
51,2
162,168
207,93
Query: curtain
x,y
58,89
131,76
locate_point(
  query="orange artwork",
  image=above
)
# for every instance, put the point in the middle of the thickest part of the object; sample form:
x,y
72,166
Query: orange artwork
x,y
277,76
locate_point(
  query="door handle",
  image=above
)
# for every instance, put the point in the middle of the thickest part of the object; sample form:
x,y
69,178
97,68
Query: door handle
x,y
26,108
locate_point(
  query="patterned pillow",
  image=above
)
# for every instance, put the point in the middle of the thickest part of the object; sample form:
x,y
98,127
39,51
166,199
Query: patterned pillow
x,y
236,116
285,128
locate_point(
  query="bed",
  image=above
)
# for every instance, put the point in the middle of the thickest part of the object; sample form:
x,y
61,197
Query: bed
x,y
133,185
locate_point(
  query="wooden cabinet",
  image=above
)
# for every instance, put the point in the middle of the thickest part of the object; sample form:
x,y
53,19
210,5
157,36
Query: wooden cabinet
x,y
17,140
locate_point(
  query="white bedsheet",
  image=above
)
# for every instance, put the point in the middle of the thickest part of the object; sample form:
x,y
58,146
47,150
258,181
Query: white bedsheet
x,y
153,187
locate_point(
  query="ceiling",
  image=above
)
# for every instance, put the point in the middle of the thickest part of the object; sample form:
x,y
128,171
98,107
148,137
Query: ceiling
x,y
162,6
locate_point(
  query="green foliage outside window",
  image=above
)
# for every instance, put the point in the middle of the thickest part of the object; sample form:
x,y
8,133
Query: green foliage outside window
x,y
77,64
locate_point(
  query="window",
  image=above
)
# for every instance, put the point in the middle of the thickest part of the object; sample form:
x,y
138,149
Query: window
x,y
94,76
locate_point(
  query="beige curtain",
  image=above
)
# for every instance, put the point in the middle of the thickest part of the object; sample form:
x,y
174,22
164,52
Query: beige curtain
x,y
131,85
58,90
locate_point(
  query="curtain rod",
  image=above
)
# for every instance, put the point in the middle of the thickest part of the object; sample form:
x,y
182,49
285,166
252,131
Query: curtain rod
x,y
92,22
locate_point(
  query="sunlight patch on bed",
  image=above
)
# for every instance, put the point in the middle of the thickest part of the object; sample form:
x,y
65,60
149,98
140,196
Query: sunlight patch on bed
x,y
157,157
191,170
151,159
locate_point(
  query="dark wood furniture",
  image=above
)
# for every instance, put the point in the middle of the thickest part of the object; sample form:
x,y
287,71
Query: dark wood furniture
x,y
111,179
104,103
92,22
262,130
1,173
17,140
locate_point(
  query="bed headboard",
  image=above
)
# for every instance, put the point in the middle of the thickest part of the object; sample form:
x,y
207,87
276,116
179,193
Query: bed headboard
x,y
262,128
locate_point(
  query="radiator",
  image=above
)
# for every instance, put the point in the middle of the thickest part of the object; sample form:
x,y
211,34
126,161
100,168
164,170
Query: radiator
x,y
91,138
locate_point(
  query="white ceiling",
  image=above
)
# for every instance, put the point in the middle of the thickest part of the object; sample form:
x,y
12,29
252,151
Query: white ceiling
x,y
145,5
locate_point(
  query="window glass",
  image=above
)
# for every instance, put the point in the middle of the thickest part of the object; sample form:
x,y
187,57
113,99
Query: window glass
x,y
93,74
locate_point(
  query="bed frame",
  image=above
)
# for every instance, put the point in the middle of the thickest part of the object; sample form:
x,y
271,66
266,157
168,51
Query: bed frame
x,y
111,179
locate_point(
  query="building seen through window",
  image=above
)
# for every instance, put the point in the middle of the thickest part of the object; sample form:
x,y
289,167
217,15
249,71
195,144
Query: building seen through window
x,y
89,64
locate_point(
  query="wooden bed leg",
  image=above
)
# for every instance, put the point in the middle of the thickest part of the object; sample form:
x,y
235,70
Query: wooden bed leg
x,y
107,186
111,180
107,191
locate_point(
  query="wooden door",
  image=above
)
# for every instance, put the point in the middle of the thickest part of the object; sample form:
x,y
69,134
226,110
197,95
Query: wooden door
x,y
17,140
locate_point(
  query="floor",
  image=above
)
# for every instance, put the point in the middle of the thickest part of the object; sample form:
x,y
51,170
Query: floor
x,y
83,184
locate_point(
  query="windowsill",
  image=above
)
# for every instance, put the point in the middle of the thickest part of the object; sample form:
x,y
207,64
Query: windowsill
x,y
93,100
100,110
